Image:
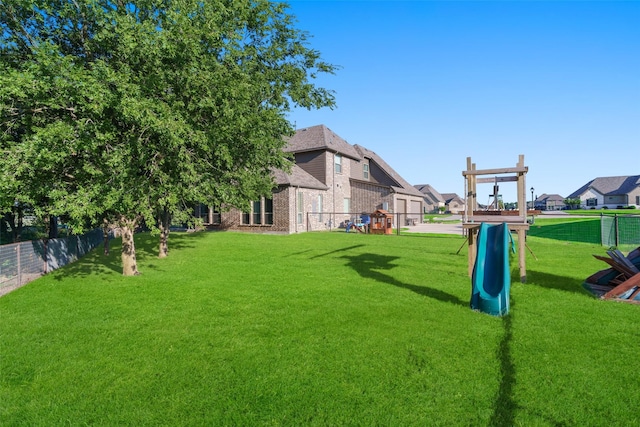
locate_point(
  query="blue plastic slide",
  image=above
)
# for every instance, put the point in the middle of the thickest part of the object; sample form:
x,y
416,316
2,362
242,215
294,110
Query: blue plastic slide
x,y
491,281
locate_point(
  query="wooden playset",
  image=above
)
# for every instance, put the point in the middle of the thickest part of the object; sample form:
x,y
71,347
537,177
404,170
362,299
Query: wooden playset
x,y
516,220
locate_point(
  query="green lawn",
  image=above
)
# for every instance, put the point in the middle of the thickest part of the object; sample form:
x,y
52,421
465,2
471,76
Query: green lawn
x,y
324,329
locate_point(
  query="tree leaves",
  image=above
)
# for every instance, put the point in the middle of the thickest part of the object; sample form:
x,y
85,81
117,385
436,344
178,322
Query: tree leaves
x,y
132,108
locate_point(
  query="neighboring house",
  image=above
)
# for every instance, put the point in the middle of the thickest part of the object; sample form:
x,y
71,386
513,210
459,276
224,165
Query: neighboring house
x,y
331,182
453,203
549,202
433,200
609,192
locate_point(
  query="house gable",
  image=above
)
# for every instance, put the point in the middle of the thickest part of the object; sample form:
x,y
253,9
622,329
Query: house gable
x,y
610,191
319,138
549,202
298,177
314,163
430,194
609,186
453,202
433,199
384,174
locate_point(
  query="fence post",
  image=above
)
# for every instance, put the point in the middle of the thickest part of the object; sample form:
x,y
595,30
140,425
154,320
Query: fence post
x,y
615,225
45,254
18,263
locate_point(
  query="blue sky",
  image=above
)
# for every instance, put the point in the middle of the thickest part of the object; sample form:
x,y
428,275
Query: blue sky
x,y
426,84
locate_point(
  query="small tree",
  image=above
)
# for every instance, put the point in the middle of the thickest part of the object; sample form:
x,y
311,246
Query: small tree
x,y
573,203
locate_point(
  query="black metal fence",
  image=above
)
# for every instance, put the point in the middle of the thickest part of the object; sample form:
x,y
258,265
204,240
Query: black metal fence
x,y
20,263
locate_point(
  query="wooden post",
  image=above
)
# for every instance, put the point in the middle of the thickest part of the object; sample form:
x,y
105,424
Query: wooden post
x,y
522,235
473,233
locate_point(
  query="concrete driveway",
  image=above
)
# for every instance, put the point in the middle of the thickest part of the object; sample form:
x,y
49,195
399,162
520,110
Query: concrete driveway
x,y
453,225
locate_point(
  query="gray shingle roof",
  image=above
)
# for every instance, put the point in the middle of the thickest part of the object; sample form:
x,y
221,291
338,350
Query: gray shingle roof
x,y
298,178
403,186
430,193
448,197
320,137
550,197
609,186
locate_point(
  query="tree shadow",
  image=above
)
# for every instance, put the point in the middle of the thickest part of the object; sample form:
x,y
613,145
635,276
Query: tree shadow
x,y
370,266
348,248
95,262
505,406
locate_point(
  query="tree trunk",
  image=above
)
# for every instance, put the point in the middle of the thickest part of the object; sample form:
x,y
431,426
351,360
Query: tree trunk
x,y
105,236
164,219
53,227
16,223
129,264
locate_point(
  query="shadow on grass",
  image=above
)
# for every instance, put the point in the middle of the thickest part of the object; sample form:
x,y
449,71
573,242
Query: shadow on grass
x,y
448,237
348,248
370,265
95,262
560,283
505,407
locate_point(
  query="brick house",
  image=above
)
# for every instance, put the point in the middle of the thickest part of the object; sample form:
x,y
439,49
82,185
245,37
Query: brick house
x,y
331,182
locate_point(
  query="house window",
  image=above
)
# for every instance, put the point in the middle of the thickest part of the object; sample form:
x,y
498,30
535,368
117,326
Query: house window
x,y
337,158
592,202
208,214
365,171
257,214
261,213
300,207
638,200
245,218
201,211
320,207
268,211
347,205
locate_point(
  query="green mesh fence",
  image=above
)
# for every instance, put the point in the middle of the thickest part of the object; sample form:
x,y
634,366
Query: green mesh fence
x,y
587,231
621,231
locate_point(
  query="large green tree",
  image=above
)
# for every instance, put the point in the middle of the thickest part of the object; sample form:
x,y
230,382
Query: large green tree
x,y
133,110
